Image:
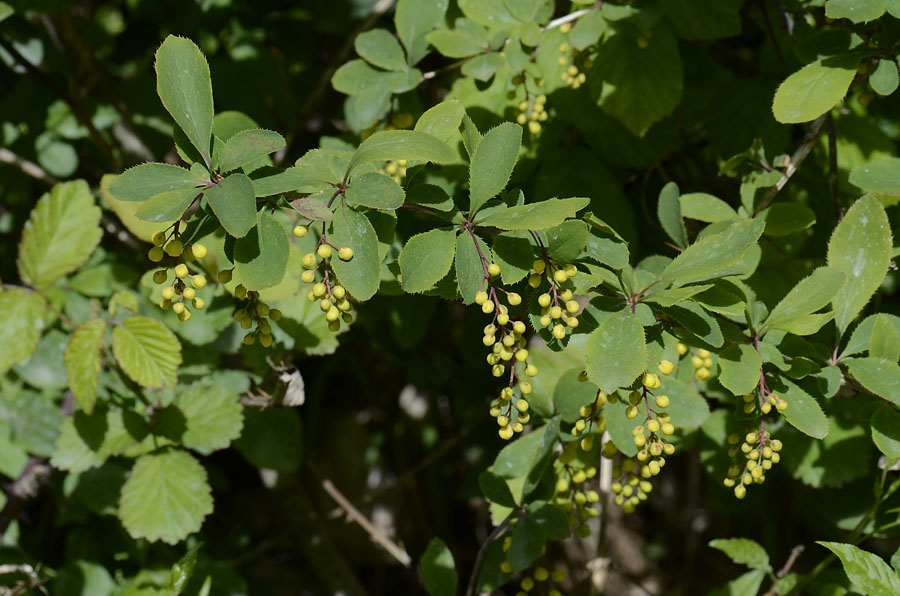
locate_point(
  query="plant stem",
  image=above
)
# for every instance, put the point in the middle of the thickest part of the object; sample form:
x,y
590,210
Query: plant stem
x,y
482,551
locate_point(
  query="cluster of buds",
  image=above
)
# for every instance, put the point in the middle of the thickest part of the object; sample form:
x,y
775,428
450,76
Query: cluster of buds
x,y
760,452
395,169
572,495
701,360
590,416
170,253
331,296
532,112
573,76
540,577
253,310
558,308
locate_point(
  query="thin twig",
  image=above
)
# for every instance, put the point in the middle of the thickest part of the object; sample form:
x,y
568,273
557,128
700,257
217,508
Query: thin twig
x,y
352,512
786,568
482,551
806,145
28,167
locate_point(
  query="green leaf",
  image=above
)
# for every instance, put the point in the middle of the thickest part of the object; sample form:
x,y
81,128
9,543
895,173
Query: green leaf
x,y
868,572
637,77
543,456
858,11
60,234
379,47
247,146
803,411
483,67
687,407
82,360
413,19
147,351
616,352
879,376
881,176
809,295
361,274
471,136
401,144
165,497
442,121
885,78
493,163
495,489
202,417
272,438
182,570
438,569
86,441
740,367
698,321
261,257
551,519
534,216
457,43
566,242
705,207
587,30
23,315
861,248
185,88
233,200
375,190
571,393
668,209
313,208
426,259
167,206
514,460
514,254
469,267
490,13
814,89
885,340
528,540
787,218
745,585
713,253
861,338
743,551
886,431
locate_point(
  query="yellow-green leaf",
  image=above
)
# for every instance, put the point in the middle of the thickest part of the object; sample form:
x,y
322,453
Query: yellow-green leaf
x,y
82,360
23,315
147,351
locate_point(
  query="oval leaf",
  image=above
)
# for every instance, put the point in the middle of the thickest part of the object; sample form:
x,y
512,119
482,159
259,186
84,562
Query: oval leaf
x,y
426,259
233,200
493,163
616,352
247,146
82,359
713,253
261,257
813,90
361,274
22,318
375,190
535,216
740,367
808,296
147,351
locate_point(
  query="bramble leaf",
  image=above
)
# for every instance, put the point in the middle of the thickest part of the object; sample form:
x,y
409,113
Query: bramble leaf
x,y
147,351
23,315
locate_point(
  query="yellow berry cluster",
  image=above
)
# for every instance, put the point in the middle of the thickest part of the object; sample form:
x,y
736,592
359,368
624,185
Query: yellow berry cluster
x,y
171,252
332,296
572,496
590,415
632,485
395,169
255,310
764,403
701,360
760,452
573,76
532,112
558,309
541,577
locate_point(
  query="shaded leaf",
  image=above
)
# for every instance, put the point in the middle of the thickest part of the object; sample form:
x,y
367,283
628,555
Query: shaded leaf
x,y
82,359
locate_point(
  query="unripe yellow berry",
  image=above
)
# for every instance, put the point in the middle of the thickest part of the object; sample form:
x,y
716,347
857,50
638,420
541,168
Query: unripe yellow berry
x,y
544,300
174,247
702,374
525,387
631,412
345,253
481,297
198,250
308,276
682,349
324,251
703,353
309,260
198,281
522,119
184,316
333,314
155,254
300,231
181,271
178,308
493,269
240,292
319,290
666,367
159,238
262,309
521,354
160,276
560,276
668,428
189,293
168,293
653,426
534,127
531,370
572,306
488,307
565,28
198,303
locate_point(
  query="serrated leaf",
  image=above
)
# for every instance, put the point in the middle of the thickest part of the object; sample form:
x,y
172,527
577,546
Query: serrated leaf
x,y
361,274
885,339
858,11
861,338
247,146
426,259
60,234
202,417
803,411
881,176
184,86
401,144
698,321
868,572
167,206
147,351
740,367
376,191
534,216
713,253
616,352
233,200
23,316
514,253
142,182
514,459
885,78
745,585
413,19
783,219
166,497
261,257
809,295
442,121
495,489
860,248
493,163
637,77
182,570
668,210
879,376
313,208
743,551
471,136
814,89
886,430
438,569
470,270
82,360
86,441
379,47
543,456
566,242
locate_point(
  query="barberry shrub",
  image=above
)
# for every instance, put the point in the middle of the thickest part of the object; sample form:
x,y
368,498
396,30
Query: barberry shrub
x,y
591,224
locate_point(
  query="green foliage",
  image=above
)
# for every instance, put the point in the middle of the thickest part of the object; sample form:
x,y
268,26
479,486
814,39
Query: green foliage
x,y
438,569
868,572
